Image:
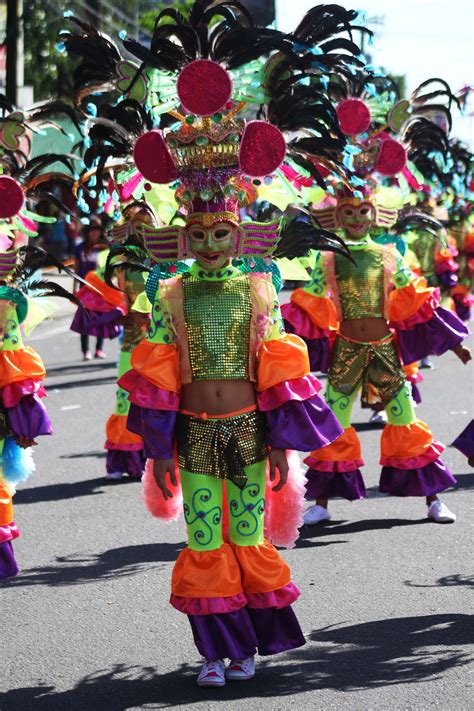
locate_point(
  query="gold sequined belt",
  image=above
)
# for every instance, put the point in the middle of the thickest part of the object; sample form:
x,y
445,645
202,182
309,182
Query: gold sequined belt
x,y
221,446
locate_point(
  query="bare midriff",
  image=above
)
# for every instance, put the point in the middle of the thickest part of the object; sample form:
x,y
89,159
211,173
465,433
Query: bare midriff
x,y
218,397
365,329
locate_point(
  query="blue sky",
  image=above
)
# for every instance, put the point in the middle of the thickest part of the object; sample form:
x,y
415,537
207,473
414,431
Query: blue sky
x,y
418,38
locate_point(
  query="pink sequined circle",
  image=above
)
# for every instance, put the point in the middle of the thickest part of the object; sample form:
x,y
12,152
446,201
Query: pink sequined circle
x,y
11,197
262,150
204,87
392,158
354,117
153,159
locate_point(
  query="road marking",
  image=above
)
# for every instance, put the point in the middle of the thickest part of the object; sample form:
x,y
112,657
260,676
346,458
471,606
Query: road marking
x,y
71,407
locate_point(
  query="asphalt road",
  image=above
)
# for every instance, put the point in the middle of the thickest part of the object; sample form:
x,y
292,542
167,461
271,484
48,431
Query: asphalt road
x,y
385,601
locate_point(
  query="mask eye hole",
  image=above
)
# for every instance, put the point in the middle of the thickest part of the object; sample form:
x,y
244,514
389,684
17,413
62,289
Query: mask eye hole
x,y
365,211
348,212
198,235
221,233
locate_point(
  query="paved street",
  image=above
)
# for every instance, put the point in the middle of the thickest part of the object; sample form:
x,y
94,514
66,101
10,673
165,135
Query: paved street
x,y
385,601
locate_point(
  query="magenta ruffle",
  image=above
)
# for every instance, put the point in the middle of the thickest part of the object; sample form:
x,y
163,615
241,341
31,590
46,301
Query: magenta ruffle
x,y
145,394
276,598
424,314
9,532
12,393
341,467
94,301
431,455
208,605
295,389
301,322
123,447
448,265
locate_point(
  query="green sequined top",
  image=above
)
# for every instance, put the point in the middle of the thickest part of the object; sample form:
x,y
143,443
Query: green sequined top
x,y
361,288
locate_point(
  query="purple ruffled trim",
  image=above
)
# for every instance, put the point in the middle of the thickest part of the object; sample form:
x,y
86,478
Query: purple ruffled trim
x,y
462,310
131,463
465,441
332,485
299,389
29,418
8,565
101,325
434,337
145,394
303,426
316,339
156,427
424,481
447,279
237,635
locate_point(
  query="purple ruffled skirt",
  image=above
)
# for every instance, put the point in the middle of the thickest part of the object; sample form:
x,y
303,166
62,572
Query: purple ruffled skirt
x,y
335,485
8,565
126,462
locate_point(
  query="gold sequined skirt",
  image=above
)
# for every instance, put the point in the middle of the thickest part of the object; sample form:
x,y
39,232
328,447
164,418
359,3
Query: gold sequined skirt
x,y
221,447
376,366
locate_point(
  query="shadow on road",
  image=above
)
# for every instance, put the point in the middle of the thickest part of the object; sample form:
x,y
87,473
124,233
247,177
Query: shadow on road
x,y
79,369
67,490
83,383
81,568
372,655
336,528
448,581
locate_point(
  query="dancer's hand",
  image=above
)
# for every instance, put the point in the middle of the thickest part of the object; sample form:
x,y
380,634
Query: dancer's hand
x,y
278,460
162,467
25,442
463,353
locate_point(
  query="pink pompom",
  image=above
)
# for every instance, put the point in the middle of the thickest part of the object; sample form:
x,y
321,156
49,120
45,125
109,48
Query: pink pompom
x,y
354,117
153,159
204,87
11,197
165,509
284,508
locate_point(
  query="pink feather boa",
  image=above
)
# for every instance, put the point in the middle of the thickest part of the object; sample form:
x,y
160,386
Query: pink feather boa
x,y
284,508
165,509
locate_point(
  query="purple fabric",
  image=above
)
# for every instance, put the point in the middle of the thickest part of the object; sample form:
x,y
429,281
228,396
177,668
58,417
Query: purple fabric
x,y
156,427
447,279
305,425
318,349
277,629
131,463
462,310
93,323
29,418
465,441
8,565
424,481
415,393
434,337
236,635
334,485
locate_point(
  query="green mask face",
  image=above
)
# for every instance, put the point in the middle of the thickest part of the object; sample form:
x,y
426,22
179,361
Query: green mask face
x,y
356,219
211,246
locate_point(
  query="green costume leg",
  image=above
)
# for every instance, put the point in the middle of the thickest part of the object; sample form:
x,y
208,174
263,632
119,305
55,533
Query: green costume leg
x,y
202,502
401,410
247,506
341,404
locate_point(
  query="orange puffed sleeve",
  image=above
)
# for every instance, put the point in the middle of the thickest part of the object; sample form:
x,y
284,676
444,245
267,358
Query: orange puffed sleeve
x,y
319,309
408,300
281,359
114,297
158,363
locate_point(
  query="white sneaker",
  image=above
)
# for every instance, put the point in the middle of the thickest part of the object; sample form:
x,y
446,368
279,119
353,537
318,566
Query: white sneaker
x,y
212,673
440,513
240,669
316,514
113,475
378,418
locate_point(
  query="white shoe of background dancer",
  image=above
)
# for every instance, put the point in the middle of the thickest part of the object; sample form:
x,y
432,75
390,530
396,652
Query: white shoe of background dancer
x,y
440,513
378,418
113,475
240,669
212,673
316,514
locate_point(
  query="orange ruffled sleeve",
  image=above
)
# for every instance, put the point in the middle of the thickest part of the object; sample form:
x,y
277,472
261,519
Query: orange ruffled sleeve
x,y
407,301
112,296
281,359
158,363
319,309
23,364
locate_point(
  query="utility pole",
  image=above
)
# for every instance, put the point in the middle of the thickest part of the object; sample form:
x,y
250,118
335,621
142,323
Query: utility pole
x,y
12,35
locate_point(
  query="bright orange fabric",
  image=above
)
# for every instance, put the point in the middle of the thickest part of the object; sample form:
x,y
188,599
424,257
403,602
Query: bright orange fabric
x,y
411,370
262,568
117,433
280,360
406,441
213,573
405,302
320,310
24,364
345,448
158,363
6,507
112,296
